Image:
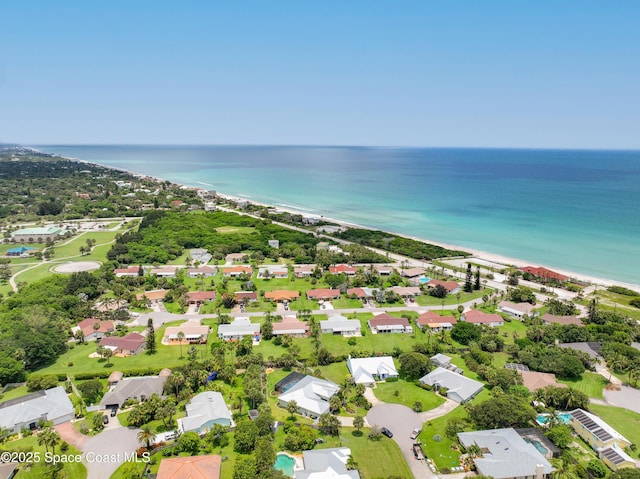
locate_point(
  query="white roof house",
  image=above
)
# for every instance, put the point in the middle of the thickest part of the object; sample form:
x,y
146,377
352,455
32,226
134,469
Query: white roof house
x,y
370,370
339,324
326,464
24,412
517,310
238,329
273,271
506,455
203,411
460,388
311,395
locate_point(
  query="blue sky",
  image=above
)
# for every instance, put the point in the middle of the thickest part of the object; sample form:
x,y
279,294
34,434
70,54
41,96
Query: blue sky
x,y
418,73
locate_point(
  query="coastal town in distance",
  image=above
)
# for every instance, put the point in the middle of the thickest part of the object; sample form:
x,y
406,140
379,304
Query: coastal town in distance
x,y
150,329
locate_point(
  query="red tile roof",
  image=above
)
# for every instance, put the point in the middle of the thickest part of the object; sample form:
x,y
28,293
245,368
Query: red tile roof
x,y
543,273
357,292
281,295
152,295
237,269
246,295
86,325
130,342
129,270
448,285
342,268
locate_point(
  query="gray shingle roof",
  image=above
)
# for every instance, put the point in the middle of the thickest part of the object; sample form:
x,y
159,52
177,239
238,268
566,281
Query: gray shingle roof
x,y
462,386
205,407
52,404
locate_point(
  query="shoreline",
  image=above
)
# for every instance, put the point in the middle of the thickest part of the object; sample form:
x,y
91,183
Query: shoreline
x,y
483,255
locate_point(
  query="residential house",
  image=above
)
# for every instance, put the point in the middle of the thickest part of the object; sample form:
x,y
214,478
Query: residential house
x,y
406,292
385,323
273,271
506,455
24,412
324,294
200,255
533,380
235,271
199,297
238,329
8,470
383,269
544,273
281,295
236,257
129,345
290,326
246,296
36,235
155,296
202,270
435,322
135,388
311,394
91,332
369,370
304,271
190,467
451,286
441,360
165,271
363,294
604,439
274,243
592,349
326,464
340,325
194,333
478,317
114,378
459,388
415,276
343,269
203,411
128,271
563,320
517,310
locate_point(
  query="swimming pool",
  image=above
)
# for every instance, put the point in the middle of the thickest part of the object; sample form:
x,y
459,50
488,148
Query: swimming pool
x,y
285,463
538,445
424,280
563,417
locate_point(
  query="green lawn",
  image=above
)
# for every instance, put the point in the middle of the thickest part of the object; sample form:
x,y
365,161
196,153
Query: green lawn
x,y
346,303
624,421
236,230
42,470
14,393
72,248
407,393
591,384
427,300
440,451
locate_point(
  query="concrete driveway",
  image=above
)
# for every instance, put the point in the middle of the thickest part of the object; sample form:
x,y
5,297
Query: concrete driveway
x,y
401,420
105,452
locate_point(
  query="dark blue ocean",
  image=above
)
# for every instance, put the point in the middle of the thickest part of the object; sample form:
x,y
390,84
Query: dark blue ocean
x,y
570,209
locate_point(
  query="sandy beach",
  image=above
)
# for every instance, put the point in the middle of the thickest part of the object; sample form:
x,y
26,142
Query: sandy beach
x,y
483,255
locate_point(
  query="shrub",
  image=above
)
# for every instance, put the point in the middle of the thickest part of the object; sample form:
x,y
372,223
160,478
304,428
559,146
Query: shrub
x,y
596,468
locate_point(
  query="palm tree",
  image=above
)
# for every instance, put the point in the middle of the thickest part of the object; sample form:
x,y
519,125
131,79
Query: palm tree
x,y
146,436
292,408
180,338
564,469
107,354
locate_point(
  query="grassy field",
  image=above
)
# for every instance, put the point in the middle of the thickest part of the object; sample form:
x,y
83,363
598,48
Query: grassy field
x,y
14,393
42,470
591,384
622,420
236,230
407,393
427,300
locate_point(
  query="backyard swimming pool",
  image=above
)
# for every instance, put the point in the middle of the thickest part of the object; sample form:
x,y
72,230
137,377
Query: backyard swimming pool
x,y
563,417
285,463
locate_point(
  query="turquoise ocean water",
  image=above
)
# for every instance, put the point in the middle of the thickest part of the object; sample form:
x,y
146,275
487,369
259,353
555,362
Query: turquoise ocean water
x,y
570,209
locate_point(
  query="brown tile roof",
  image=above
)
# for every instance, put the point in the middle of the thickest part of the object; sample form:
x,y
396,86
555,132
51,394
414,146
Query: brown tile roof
x,y
246,295
435,320
323,293
237,269
448,285
130,342
533,380
290,323
411,272
552,318
86,326
357,292
193,467
129,270
152,295
201,295
388,320
281,295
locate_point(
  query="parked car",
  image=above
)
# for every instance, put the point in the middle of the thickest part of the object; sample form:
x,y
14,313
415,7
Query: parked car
x,y
415,433
386,432
105,419
114,411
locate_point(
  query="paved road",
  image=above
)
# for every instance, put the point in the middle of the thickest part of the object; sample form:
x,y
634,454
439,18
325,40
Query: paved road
x,y
401,420
105,452
627,397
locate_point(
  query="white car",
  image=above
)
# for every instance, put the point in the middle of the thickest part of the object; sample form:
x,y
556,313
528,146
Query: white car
x,y
415,433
